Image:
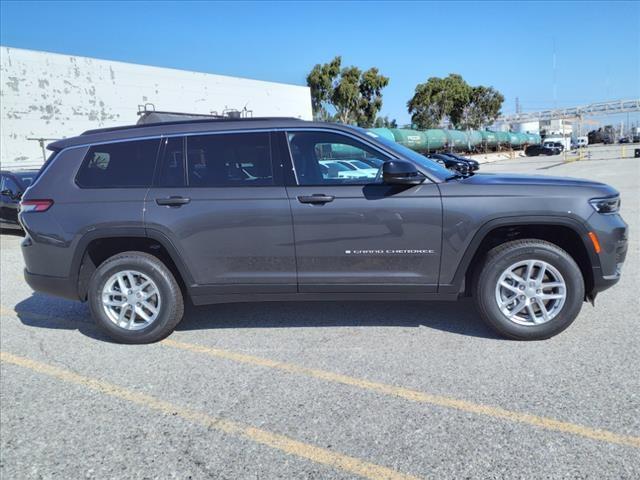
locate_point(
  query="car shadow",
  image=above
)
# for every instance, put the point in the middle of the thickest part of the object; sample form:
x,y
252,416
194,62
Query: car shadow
x,y
42,311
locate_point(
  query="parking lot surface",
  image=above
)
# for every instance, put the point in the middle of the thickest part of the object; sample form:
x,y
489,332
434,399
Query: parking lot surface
x,y
327,390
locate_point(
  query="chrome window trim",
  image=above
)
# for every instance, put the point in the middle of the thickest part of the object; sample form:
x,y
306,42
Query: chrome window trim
x,y
363,139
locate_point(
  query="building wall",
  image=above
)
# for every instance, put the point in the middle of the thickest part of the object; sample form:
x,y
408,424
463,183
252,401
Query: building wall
x,y
526,127
560,127
51,96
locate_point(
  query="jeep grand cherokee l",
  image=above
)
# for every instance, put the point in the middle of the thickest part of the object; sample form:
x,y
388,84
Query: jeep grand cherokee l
x,y
134,219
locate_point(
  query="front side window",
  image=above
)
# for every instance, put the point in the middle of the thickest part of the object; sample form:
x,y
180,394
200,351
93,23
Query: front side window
x,y
229,160
119,165
325,158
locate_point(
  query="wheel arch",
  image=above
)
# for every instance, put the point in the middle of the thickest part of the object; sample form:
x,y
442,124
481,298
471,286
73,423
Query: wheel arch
x,y
116,240
550,228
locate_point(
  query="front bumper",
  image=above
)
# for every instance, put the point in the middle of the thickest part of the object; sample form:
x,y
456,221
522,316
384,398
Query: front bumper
x,y
612,232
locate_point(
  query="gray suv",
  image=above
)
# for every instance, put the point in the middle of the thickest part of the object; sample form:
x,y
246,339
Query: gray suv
x,y
134,219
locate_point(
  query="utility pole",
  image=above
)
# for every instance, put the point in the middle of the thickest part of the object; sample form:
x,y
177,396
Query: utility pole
x,y
555,76
41,142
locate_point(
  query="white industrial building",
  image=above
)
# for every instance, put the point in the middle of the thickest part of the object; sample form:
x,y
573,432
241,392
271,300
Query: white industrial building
x,y
50,96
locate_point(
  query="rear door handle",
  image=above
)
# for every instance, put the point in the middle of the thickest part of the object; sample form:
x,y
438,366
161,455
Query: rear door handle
x,y
174,201
316,198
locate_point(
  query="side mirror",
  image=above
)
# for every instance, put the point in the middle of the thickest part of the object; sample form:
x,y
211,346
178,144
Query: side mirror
x,y
398,172
7,192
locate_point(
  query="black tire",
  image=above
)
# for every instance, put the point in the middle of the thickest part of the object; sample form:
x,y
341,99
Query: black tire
x,y
172,306
502,257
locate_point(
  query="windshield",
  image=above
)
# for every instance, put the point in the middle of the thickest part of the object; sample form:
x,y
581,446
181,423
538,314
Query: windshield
x,y
424,162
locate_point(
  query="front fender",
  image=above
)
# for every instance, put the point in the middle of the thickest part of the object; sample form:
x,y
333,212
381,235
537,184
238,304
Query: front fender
x,y
453,274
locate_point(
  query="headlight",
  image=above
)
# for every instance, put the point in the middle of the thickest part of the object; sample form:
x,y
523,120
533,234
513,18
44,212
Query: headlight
x,y
606,205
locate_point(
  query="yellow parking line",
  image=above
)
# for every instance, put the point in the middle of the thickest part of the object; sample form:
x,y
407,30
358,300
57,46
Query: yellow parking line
x,y
404,393
415,395
272,440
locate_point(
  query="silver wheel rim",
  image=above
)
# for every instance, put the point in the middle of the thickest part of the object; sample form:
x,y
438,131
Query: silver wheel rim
x,y
131,300
531,292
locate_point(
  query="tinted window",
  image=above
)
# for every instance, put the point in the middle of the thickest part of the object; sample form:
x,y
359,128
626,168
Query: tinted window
x,y
171,167
119,165
322,158
229,160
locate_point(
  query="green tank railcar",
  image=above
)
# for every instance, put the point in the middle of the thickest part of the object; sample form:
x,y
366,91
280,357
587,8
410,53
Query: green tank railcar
x,y
489,139
504,139
514,140
456,139
414,139
474,139
533,139
436,139
340,151
384,133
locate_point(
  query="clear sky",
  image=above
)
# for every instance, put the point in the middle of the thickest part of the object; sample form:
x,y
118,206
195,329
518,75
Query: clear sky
x,y
508,45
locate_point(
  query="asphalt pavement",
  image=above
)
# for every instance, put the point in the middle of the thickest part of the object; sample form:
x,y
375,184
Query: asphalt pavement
x,y
326,390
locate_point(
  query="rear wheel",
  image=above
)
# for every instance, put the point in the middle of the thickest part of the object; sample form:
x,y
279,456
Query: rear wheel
x,y
529,289
134,298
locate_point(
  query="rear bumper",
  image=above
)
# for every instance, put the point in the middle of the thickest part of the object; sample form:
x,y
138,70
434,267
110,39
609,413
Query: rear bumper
x,y
57,286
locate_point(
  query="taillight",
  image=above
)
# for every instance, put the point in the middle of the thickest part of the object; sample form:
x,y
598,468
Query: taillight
x,y
35,205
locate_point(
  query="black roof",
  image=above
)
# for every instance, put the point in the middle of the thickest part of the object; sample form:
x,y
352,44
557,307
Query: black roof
x,y
180,126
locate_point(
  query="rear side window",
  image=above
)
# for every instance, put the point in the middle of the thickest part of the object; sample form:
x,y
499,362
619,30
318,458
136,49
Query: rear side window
x,y
119,165
229,160
171,165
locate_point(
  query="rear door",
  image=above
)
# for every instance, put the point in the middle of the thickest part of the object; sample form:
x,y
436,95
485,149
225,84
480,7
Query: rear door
x,y
353,233
221,201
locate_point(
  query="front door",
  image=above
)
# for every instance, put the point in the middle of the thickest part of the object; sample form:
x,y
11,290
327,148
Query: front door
x,y
222,202
352,232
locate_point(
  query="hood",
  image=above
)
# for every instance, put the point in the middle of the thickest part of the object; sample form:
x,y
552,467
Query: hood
x,y
520,179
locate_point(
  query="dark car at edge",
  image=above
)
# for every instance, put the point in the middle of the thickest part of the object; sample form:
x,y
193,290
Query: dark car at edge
x,y
12,186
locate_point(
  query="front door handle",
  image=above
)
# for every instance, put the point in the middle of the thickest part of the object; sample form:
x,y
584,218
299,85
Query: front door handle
x,y
174,201
316,198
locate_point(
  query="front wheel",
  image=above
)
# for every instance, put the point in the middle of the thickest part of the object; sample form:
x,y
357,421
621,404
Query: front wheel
x,y
135,298
529,289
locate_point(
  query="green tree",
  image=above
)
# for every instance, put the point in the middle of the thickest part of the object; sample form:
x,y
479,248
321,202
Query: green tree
x,y
371,85
438,99
483,108
384,122
321,80
355,96
452,99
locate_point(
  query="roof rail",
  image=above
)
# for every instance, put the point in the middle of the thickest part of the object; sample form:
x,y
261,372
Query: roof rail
x,y
189,119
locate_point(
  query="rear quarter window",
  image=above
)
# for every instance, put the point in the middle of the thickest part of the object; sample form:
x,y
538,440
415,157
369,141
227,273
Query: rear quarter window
x,y
119,165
